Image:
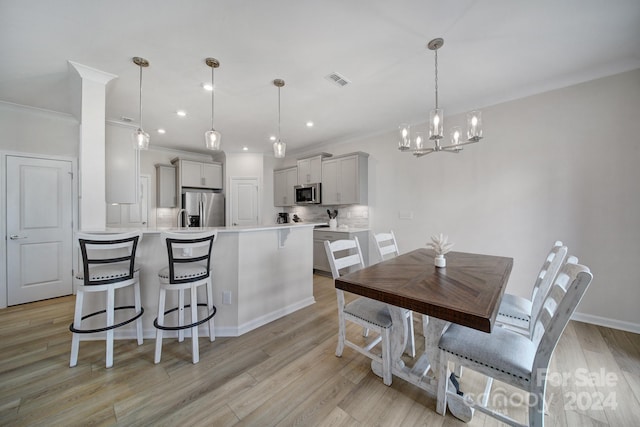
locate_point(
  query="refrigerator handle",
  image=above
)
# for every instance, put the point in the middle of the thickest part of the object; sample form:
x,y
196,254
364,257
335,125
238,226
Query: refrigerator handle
x,y
203,220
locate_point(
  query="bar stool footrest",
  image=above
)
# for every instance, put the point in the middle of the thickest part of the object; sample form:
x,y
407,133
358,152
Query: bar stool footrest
x,y
189,326
106,328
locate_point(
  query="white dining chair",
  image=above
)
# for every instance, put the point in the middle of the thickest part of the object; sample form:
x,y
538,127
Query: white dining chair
x,y
370,314
388,248
516,312
189,268
510,357
108,264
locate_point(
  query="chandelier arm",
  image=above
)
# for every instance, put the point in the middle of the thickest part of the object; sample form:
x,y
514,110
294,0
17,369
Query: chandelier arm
x,y
420,153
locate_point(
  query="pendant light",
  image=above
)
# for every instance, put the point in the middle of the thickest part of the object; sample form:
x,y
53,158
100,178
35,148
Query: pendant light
x,y
140,137
212,137
279,147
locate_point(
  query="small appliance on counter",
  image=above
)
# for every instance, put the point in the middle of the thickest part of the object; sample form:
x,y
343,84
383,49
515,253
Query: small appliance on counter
x,y
283,218
296,218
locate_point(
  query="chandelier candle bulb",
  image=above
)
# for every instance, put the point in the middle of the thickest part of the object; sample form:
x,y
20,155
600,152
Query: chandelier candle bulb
x,y
405,141
419,139
455,135
436,123
474,125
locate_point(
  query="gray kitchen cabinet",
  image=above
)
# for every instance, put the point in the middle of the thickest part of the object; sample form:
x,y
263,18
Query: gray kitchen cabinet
x,y
196,174
283,182
310,169
345,179
320,261
166,188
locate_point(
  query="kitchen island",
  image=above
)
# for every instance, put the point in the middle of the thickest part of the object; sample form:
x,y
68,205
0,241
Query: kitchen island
x,y
259,273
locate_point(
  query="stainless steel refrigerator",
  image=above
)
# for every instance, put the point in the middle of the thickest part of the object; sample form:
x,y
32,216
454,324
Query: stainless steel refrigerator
x,y
202,208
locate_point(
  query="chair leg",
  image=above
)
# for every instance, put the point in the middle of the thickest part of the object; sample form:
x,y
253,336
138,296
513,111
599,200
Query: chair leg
x,y
77,321
341,325
111,299
212,333
138,305
181,314
194,330
536,408
161,302
386,356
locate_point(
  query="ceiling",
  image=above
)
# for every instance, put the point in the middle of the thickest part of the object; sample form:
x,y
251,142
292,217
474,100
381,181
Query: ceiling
x,y
494,50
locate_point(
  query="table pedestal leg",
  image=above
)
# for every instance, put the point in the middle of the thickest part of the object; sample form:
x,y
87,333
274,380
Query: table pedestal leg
x,y
425,371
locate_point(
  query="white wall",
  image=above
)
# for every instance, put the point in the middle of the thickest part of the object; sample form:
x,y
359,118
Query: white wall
x,y
559,165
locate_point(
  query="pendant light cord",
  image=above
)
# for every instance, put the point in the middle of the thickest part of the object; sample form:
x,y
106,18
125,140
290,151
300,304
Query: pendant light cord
x,y
140,99
212,87
278,114
436,62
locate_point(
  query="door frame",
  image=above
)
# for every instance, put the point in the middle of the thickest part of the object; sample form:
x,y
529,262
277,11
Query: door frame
x,y
3,208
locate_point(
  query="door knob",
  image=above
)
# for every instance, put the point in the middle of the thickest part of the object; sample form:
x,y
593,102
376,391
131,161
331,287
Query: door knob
x,y
16,237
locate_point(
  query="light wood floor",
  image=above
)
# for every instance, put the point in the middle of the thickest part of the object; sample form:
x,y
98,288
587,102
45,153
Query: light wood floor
x,y
284,374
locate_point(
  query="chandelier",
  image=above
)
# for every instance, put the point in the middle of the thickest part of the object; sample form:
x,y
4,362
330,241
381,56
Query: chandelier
x,y
212,138
279,146
140,137
417,144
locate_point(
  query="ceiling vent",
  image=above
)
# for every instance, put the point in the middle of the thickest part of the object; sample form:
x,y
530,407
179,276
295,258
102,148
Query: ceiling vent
x,y
338,79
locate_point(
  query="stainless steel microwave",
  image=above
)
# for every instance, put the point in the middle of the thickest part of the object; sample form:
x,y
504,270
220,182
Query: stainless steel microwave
x,y
307,194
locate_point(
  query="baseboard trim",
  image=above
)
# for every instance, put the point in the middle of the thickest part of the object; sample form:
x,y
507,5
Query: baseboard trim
x,y
607,322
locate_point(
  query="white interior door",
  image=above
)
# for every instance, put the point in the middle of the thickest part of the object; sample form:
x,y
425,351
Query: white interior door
x,y
39,229
244,201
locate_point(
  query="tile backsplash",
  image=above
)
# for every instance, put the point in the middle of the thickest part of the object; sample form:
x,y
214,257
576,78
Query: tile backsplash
x,y
356,216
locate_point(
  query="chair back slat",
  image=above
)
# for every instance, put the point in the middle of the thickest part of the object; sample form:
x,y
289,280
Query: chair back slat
x,y
352,259
116,250
545,279
559,305
188,249
386,244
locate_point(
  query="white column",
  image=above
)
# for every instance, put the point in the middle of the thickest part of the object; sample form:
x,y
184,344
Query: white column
x,y
88,90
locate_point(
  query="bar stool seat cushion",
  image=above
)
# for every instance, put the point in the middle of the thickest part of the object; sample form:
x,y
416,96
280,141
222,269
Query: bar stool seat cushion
x,y
502,350
106,272
182,272
371,311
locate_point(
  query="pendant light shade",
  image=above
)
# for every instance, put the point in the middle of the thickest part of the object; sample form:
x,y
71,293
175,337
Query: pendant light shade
x,y
140,137
212,138
279,147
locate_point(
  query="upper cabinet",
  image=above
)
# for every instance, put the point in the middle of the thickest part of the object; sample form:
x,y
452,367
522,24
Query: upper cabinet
x,y
198,174
345,179
310,169
122,164
166,186
283,182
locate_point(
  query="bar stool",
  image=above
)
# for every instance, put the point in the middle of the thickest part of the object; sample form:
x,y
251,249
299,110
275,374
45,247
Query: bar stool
x,y
108,263
189,268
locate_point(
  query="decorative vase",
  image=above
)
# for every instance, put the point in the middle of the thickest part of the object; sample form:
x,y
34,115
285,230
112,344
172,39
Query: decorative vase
x,y
333,223
440,261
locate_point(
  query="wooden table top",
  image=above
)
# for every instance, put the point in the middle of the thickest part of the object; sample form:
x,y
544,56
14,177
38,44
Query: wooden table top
x,y
467,291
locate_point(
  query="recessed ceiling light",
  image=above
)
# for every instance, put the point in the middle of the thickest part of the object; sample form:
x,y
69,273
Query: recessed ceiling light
x,y
181,113
272,138
162,131
207,86
309,124
245,148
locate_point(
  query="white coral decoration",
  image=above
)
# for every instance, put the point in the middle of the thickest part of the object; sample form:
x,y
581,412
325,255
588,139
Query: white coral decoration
x,y
439,244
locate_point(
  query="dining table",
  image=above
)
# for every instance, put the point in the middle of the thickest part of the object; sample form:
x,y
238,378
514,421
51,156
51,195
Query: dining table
x,y
467,291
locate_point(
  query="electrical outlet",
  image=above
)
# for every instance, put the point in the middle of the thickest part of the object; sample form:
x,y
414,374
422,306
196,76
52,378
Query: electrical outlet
x,y
226,297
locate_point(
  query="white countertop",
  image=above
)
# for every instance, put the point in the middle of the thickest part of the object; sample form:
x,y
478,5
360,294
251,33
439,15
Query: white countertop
x,y
238,229
342,229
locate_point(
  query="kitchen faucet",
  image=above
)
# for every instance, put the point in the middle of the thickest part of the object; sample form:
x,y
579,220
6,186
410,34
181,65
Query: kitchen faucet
x,y
180,212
